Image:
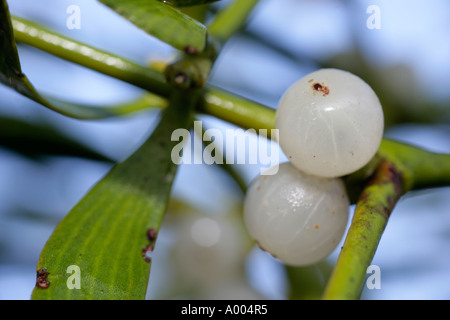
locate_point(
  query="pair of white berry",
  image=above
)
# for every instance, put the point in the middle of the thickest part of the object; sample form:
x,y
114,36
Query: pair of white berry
x,y
330,124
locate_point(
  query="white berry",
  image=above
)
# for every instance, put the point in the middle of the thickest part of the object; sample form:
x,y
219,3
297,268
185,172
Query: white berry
x,y
330,123
298,218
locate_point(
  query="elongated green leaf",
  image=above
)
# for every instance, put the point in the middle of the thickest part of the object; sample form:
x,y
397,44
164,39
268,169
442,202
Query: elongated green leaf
x,y
12,76
10,70
105,233
34,140
162,21
186,3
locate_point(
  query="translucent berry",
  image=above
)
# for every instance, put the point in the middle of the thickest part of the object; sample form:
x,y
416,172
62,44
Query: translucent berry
x,y
330,123
298,218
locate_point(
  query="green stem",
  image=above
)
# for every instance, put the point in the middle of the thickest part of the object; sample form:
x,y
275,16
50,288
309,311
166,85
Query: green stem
x,y
192,69
231,19
34,35
371,215
237,110
400,168
423,169
217,102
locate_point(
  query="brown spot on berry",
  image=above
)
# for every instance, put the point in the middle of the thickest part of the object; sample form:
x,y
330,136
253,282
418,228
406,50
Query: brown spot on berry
x,y
321,88
258,188
310,80
316,227
332,212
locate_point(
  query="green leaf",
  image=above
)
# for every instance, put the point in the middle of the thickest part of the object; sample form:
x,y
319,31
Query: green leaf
x,y
34,140
162,21
371,215
186,3
105,233
12,76
10,71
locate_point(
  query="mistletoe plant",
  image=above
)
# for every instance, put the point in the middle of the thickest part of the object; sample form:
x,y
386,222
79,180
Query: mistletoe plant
x,y
110,232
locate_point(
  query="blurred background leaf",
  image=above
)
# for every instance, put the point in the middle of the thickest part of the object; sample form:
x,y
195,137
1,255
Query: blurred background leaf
x,y
162,21
35,140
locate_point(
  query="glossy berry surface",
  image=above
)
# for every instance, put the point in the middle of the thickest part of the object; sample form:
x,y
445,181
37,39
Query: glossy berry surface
x,y
330,123
297,218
